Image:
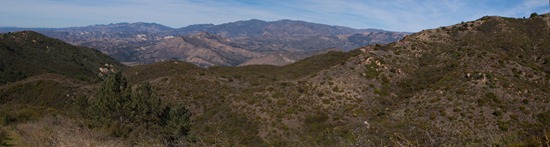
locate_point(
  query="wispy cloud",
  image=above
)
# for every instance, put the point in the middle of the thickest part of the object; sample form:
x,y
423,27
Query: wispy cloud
x,y
397,15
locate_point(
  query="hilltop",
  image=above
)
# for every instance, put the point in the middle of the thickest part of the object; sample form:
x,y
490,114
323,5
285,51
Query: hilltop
x,y
24,54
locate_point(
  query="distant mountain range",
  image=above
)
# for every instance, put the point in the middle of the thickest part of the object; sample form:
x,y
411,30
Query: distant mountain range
x,y
230,44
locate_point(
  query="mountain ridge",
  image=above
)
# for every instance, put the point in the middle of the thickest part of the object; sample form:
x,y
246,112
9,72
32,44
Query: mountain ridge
x,y
126,42
5,29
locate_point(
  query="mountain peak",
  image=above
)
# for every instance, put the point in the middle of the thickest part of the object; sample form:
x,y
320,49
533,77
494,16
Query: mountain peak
x,y
25,35
205,35
129,27
25,32
246,22
256,20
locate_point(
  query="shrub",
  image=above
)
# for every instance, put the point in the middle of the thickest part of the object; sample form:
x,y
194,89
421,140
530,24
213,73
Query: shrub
x,y
176,123
3,137
525,101
533,15
321,94
22,115
504,126
278,95
491,96
316,122
301,90
371,71
335,89
7,119
544,118
497,113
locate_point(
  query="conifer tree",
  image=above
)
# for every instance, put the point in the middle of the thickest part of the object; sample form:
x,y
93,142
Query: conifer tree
x,y
108,103
130,112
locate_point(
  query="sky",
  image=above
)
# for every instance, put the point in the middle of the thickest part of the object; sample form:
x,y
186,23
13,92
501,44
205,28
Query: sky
x,y
393,15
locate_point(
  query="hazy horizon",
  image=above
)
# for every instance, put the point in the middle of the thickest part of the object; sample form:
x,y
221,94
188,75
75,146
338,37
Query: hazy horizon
x,y
399,15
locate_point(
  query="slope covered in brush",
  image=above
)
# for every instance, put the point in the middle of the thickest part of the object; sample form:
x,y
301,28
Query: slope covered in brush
x,y
24,54
474,83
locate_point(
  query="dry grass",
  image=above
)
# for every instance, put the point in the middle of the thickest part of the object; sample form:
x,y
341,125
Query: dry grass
x,y
61,131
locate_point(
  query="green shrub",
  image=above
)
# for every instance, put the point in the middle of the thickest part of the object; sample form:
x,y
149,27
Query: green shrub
x,y
525,101
372,71
282,102
497,113
278,95
533,15
544,118
320,94
22,115
316,121
176,122
492,97
7,119
503,125
3,137
335,89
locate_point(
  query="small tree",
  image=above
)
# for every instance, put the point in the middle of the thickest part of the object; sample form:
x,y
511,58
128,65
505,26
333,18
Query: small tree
x,y
128,111
108,104
3,137
533,15
176,123
144,108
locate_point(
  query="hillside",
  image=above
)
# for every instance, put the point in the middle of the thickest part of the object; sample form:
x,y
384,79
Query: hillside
x,y
475,83
131,43
40,77
203,49
24,54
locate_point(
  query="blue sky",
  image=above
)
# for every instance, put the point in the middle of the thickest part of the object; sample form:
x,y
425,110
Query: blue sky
x,y
395,15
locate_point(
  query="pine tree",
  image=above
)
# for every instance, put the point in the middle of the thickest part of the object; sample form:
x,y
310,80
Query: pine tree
x,y
108,103
176,122
128,112
144,107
